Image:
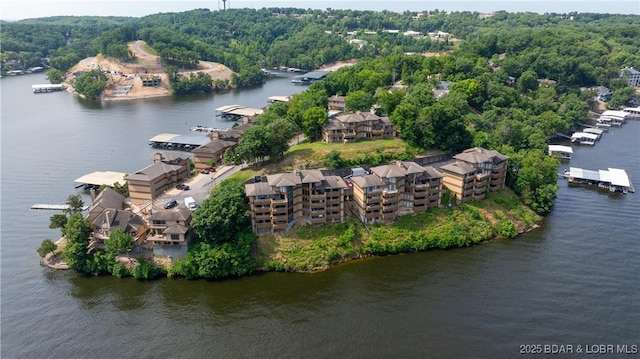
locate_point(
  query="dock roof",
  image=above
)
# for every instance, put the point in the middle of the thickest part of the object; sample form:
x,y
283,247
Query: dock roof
x,y
560,148
100,178
239,110
615,176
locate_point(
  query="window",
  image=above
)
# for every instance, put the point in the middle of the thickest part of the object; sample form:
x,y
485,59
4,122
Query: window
x,y
175,237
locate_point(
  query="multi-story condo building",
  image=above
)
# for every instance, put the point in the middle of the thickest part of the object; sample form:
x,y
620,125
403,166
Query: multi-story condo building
x,y
280,200
394,190
631,75
150,182
352,126
474,172
336,103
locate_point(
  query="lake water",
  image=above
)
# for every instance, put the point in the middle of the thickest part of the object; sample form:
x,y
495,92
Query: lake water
x,y
574,281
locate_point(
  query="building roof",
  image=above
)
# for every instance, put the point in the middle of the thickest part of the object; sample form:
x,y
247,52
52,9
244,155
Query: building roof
x,y
591,136
316,75
153,171
284,179
461,168
181,214
334,182
311,176
257,189
108,198
100,178
176,229
170,157
113,219
480,155
214,146
367,181
560,148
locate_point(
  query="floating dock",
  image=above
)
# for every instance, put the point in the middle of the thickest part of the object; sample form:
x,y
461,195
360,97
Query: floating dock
x,y
46,88
310,77
235,112
55,207
272,99
612,179
584,138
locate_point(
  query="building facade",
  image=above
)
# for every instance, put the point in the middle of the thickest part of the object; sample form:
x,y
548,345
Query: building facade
x,y
279,201
336,103
170,228
152,181
352,126
474,172
394,190
632,76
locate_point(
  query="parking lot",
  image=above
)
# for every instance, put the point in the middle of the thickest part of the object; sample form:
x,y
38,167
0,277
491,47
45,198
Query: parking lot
x,y
199,187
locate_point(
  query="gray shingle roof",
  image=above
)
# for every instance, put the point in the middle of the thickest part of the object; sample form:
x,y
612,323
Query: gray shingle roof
x,y
153,171
367,181
257,189
182,214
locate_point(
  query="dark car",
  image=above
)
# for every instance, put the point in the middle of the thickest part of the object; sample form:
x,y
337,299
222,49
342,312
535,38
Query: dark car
x,y
182,186
170,204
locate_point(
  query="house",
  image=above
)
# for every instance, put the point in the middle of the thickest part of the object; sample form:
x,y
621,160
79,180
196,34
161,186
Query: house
x,y
352,126
631,75
107,214
394,190
474,172
211,153
336,103
151,182
170,229
279,201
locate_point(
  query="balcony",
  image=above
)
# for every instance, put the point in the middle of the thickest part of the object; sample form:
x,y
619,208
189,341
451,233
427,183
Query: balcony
x,y
278,200
279,210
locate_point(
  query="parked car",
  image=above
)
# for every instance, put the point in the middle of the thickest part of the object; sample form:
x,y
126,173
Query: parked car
x,y
183,187
170,204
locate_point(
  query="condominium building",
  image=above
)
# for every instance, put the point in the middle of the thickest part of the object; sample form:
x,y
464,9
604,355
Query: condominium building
x,y
474,172
352,126
336,103
280,200
150,182
170,228
394,190
631,75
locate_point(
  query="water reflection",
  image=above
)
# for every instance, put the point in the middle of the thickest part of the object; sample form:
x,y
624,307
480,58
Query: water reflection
x,y
123,294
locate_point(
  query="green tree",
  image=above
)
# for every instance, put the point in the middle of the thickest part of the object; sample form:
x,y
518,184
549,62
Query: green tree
x,y
359,101
77,234
90,84
528,81
75,204
57,221
223,214
119,242
46,246
55,76
312,121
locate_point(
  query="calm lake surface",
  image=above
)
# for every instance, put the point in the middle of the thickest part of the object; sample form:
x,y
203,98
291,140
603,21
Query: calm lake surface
x,y
574,281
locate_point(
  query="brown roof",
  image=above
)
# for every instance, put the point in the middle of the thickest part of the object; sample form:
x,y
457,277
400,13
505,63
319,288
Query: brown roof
x,y
311,176
334,182
257,189
461,168
367,181
214,146
181,214
284,179
175,229
153,171
480,155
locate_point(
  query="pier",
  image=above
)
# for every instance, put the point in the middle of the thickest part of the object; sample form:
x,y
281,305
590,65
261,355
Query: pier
x,y
46,88
612,179
55,207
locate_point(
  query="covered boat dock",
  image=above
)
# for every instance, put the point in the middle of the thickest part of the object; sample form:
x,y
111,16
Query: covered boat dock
x,y
584,138
612,179
236,112
173,141
99,178
565,152
46,88
310,77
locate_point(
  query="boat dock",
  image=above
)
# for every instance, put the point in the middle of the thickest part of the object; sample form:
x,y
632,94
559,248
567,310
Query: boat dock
x,y
273,99
100,178
565,152
612,179
55,207
46,88
584,138
236,112
173,141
